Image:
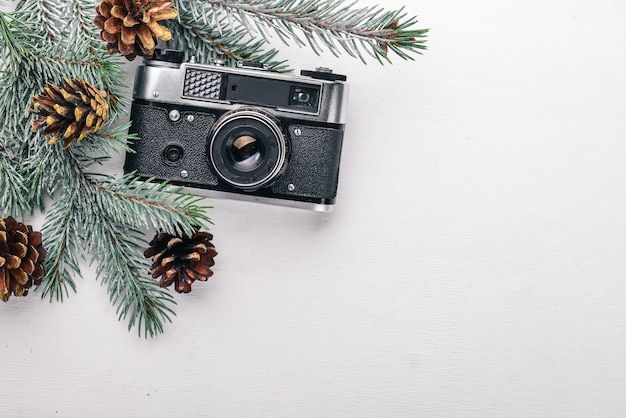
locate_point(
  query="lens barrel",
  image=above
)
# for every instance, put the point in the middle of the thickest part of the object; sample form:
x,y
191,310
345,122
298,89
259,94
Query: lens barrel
x,y
247,148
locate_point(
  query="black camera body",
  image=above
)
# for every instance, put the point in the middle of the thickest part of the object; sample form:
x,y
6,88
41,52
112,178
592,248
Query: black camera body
x,y
242,133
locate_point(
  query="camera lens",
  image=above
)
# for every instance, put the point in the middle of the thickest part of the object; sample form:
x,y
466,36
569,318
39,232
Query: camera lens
x,y
173,154
246,151
247,148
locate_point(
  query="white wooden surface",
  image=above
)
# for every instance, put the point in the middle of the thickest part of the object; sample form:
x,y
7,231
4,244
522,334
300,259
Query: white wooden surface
x,y
475,265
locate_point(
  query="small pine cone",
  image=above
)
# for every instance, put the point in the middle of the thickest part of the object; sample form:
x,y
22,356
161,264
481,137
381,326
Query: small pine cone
x,y
21,258
72,112
131,27
181,260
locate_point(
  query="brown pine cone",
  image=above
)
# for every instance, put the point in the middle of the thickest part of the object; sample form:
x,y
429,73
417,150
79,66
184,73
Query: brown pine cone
x,y
72,112
131,27
21,258
181,260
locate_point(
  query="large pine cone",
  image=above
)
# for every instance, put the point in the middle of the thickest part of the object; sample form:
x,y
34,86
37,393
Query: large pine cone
x,y
131,27
21,258
72,112
181,260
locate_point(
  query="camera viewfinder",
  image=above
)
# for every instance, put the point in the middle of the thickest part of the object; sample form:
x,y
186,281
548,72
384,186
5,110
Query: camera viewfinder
x,y
304,96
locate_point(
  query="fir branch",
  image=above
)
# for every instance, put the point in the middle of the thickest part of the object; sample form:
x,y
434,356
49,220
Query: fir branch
x,y
144,205
46,171
95,215
15,94
14,38
102,217
332,23
36,67
61,20
34,62
12,200
194,32
113,246
60,233
80,61
137,297
83,12
49,17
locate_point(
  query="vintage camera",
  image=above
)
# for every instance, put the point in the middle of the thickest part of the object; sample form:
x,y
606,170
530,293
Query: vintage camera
x,y
242,133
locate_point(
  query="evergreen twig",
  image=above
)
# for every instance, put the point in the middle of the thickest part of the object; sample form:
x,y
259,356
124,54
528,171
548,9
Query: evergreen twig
x,y
195,31
13,199
82,13
336,24
59,21
106,216
49,17
122,268
60,232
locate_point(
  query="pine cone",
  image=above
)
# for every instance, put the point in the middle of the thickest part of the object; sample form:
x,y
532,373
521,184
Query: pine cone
x,y
21,258
72,112
181,260
131,27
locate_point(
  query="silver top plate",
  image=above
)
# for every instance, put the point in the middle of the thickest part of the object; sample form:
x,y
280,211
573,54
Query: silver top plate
x,y
171,84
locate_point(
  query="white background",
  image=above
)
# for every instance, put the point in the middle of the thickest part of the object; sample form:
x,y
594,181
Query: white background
x,y
475,264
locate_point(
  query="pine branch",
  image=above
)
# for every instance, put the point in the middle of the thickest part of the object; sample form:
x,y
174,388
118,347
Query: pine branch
x,y
144,205
101,217
33,62
333,23
61,20
12,200
29,70
60,232
46,171
15,94
80,61
136,295
195,32
48,16
83,12
15,39
96,216
113,246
